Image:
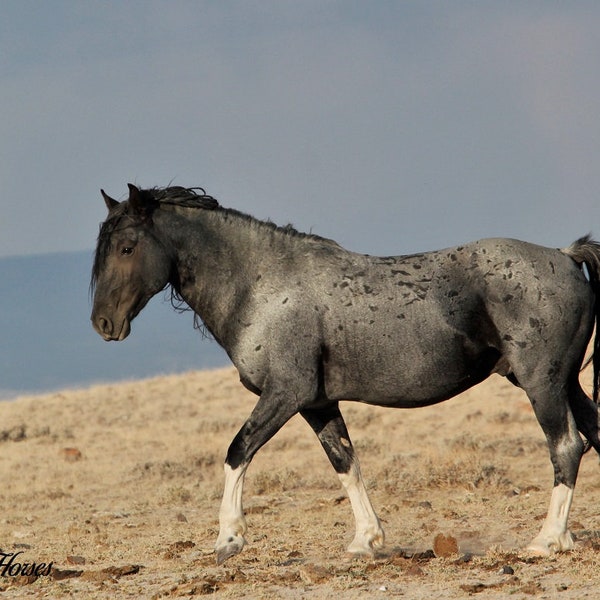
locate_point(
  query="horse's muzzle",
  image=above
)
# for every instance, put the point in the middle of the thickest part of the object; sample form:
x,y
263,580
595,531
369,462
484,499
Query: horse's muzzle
x,y
106,328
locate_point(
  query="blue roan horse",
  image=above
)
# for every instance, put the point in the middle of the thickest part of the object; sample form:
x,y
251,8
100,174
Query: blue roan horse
x,y
308,323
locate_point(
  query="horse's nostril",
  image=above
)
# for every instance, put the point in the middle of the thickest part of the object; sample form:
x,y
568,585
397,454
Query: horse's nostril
x,y
103,325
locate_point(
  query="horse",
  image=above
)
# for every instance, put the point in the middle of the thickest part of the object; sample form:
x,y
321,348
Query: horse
x,y
308,324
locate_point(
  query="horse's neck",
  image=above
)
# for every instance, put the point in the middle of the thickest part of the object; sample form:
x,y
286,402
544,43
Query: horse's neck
x,y
215,265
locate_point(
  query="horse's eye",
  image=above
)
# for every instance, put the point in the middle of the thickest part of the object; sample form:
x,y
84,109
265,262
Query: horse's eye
x,y
127,250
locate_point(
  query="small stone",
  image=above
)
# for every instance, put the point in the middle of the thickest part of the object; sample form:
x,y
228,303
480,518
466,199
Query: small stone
x,y
174,550
465,558
61,574
312,574
473,588
71,454
23,580
121,571
444,546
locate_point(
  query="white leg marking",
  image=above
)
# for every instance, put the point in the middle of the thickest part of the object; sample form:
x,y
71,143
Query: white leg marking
x,y
369,534
555,536
232,524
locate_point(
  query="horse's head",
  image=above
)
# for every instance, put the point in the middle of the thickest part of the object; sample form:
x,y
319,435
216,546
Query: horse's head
x,y
131,264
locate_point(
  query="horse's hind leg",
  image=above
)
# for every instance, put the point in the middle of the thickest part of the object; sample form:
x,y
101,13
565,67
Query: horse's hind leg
x,y
331,430
566,448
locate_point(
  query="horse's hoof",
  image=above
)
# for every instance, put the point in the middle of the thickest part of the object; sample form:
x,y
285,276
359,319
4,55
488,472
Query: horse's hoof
x,y
231,547
360,551
545,547
365,549
367,544
538,550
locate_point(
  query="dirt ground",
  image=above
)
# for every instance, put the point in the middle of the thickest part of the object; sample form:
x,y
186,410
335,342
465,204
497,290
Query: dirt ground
x,y
118,486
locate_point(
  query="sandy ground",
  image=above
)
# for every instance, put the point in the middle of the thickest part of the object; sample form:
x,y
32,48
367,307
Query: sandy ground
x,y
119,488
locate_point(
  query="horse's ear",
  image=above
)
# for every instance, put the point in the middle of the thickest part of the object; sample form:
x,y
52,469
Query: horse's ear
x,y
110,202
141,204
136,202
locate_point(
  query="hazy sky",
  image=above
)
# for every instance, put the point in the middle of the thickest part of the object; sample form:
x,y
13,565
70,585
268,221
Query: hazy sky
x,y
392,127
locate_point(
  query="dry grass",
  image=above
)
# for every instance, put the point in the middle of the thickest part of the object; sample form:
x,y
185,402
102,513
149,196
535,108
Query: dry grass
x,y
120,485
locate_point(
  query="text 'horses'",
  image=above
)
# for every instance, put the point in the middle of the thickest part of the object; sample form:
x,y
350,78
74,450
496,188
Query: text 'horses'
x,y
308,323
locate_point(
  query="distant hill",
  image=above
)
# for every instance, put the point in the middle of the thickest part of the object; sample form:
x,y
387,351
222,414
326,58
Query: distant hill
x,y
47,341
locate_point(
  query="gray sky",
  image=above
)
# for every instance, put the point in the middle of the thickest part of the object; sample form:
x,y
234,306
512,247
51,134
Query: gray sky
x,y
392,127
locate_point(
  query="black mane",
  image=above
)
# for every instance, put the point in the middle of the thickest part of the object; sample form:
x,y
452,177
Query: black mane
x,y
178,196
190,198
194,197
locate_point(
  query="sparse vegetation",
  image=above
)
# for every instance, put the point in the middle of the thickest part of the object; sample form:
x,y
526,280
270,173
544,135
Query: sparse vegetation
x,y
146,491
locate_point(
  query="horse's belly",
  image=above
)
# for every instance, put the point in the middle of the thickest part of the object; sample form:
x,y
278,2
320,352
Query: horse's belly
x,y
392,375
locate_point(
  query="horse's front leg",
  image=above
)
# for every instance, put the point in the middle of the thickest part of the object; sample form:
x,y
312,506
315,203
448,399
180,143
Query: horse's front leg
x,y
331,430
271,412
232,523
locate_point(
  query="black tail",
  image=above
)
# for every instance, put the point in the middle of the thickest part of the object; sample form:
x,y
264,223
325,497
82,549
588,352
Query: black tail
x,y
586,251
